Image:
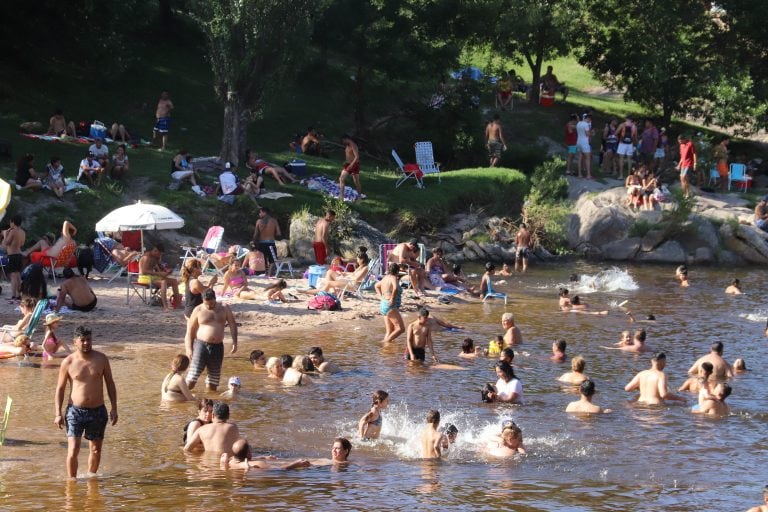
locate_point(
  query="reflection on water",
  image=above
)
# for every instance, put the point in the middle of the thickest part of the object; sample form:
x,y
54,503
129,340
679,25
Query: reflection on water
x,y
637,458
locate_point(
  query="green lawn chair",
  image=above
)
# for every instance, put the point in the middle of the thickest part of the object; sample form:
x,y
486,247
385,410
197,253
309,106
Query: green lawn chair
x,y
6,417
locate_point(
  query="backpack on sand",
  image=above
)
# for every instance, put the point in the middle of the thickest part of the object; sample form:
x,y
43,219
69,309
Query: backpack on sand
x,y
324,301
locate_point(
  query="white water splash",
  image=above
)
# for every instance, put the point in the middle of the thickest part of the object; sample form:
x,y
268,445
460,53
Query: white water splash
x,y
609,280
759,316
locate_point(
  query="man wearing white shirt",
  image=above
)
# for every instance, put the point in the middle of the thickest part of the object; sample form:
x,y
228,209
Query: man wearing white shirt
x,y
228,182
100,152
583,133
91,168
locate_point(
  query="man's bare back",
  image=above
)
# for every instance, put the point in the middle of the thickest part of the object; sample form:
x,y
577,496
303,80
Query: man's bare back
x,y
652,385
266,229
721,368
321,230
78,289
13,240
431,442
217,437
493,132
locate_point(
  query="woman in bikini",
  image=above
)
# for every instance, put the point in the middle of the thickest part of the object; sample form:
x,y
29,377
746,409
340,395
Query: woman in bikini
x,y
193,286
236,279
204,417
174,388
369,425
337,281
390,295
52,344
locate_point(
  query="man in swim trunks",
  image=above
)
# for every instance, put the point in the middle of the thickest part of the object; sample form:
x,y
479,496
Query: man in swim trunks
x,y
310,143
320,242
87,371
351,166
13,239
58,125
407,253
78,291
418,338
204,341
652,383
721,370
512,334
218,436
265,232
162,119
494,141
522,243
687,163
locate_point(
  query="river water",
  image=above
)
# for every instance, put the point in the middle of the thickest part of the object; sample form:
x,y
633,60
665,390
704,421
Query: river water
x,y
636,458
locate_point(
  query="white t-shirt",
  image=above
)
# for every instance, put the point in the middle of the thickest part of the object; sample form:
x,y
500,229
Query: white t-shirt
x,y
582,131
505,389
99,152
228,182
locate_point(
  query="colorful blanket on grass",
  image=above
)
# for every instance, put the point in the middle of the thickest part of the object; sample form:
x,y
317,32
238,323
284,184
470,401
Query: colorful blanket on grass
x,y
79,139
331,188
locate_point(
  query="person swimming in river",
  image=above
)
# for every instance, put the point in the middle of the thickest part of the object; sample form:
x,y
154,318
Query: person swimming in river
x,y
734,288
577,306
509,443
565,300
681,274
369,426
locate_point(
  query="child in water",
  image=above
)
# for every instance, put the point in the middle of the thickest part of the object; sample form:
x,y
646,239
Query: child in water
x,y
369,425
509,443
495,346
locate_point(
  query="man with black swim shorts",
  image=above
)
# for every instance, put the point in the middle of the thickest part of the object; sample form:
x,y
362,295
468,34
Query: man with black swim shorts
x,y
13,239
265,232
204,340
522,243
419,338
87,371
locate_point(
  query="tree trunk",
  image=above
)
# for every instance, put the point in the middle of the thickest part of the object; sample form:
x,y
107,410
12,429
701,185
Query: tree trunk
x,y
535,66
233,141
666,114
166,16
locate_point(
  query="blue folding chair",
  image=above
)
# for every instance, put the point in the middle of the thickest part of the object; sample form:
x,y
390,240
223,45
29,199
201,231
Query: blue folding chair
x,y
738,173
494,295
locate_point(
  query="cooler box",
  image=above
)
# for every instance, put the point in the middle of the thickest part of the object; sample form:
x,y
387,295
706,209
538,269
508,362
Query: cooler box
x,y
546,100
314,273
98,130
297,167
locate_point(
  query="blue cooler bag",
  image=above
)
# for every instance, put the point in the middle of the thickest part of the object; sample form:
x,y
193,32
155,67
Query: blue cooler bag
x,y
98,130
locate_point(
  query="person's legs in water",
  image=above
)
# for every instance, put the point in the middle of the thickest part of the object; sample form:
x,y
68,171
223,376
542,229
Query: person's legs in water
x,y
397,323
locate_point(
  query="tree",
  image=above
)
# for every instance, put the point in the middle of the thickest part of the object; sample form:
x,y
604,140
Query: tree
x,y
661,54
252,45
537,30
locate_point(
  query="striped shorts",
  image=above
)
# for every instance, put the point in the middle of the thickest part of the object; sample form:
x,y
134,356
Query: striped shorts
x,y
206,355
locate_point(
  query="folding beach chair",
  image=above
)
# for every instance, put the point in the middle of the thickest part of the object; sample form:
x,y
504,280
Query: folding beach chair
x,y
209,246
366,284
279,264
738,173
135,288
65,259
103,260
426,159
490,294
6,417
34,320
414,173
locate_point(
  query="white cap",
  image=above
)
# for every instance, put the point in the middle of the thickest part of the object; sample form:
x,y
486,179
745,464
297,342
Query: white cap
x,y
234,381
227,165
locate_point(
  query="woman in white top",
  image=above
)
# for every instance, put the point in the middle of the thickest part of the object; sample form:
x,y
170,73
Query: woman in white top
x,y
508,388
55,178
119,163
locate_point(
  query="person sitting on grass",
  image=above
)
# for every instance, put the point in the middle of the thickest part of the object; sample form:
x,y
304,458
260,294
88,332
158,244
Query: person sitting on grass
x,y
55,177
26,177
262,167
100,152
181,169
91,169
59,127
236,279
120,164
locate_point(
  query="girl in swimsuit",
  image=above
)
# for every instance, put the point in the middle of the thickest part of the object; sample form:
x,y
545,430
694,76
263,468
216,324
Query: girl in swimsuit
x,y
52,344
369,425
174,388
388,290
204,417
236,279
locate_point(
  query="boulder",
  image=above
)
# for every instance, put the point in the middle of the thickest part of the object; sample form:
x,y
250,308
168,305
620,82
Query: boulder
x,y
742,215
599,220
745,242
651,240
469,254
494,251
475,248
668,252
302,230
703,256
729,258
705,232
621,250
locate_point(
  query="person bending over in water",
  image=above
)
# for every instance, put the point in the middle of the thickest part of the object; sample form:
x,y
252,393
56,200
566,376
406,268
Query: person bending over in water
x,y
576,376
652,383
174,388
450,433
681,274
558,351
734,288
432,440
369,426
764,506
509,443
715,405
584,404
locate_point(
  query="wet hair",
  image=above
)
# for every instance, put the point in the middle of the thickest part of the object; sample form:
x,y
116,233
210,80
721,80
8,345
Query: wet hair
x,y
561,345
735,282
489,267
727,389
717,347
272,362
587,388
424,312
242,452
467,346
576,301
450,429
315,351
708,368
578,363
221,410
302,363
344,444
180,363
82,331
255,355
286,360
508,352
209,294
659,356
203,403
563,291
641,335
506,369
433,417
394,269
379,396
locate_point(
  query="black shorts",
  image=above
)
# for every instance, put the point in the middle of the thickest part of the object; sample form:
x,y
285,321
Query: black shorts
x,y
419,354
91,421
14,263
264,248
86,308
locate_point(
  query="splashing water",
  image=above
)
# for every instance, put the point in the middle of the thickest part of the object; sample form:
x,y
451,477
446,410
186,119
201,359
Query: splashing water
x,y
759,316
609,280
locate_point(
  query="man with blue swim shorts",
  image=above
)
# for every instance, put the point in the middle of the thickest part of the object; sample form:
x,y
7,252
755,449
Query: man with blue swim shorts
x,y
87,371
163,118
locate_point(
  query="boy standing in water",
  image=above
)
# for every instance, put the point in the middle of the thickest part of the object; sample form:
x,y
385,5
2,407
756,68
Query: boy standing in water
x,y
432,440
419,337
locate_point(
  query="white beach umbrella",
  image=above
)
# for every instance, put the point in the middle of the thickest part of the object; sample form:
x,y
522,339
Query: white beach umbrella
x,y
140,217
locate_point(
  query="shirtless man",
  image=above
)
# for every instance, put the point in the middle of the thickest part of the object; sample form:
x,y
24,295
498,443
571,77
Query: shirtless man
x,y
58,125
75,293
13,239
512,334
351,167
218,436
721,369
418,336
319,362
734,288
87,371
150,272
764,507
310,143
652,383
638,346
715,405
162,118
494,141
432,440
265,232
584,404
407,253
522,243
241,458
320,242
204,341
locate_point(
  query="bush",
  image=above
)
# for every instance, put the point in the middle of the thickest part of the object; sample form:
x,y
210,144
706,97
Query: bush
x,y
546,209
526,157
640,228
548,183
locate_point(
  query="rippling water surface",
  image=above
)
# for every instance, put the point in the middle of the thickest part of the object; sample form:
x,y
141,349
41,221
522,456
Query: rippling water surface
x,y
636,458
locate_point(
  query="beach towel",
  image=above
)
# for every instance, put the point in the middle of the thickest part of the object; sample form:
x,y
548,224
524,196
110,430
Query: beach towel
x,y
276,195
81,139
331,188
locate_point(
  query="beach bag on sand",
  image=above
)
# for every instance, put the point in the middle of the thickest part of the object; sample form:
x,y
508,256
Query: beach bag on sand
x,y
324,301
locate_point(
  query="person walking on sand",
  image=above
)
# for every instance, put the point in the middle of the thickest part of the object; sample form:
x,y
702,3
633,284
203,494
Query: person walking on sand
x,y
494,141
351,166
204,341
390,295
162,119
320,242
265,232
87,371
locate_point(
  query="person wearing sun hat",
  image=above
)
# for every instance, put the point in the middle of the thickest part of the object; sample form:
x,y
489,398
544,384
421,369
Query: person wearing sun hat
x,y
234,388
51,343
